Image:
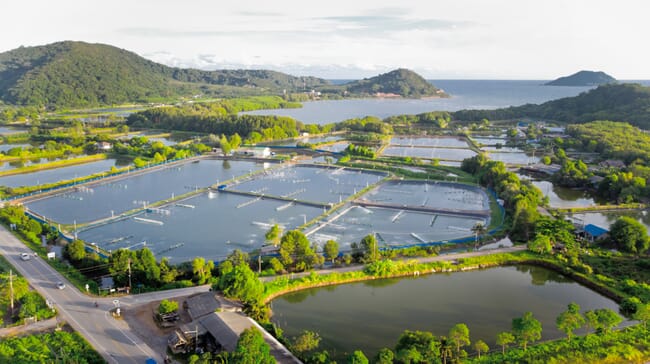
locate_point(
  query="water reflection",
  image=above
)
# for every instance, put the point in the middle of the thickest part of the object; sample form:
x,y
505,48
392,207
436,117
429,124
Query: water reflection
x,y
373,314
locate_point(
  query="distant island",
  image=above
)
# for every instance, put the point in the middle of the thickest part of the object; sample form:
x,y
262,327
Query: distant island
x,y
398,83
617,102
79,74
583,78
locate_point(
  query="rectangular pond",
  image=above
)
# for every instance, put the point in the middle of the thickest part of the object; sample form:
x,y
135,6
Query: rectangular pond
x,y
454,142
431,153
334,148
7,130
5,147
490,140
310,183
430,194
372,315
393,227
209,225
514,158
94,202
57,174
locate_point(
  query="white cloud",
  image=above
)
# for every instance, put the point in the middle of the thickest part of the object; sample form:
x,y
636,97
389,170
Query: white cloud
x,y
443,39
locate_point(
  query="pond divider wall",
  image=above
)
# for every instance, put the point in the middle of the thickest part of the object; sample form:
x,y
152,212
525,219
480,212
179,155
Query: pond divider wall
x,y
272,197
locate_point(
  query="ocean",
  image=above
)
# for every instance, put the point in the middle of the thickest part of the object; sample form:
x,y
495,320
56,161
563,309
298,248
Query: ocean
x,y
465,94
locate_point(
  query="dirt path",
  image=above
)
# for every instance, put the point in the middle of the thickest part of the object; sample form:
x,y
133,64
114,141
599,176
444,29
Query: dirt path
x,y
437,258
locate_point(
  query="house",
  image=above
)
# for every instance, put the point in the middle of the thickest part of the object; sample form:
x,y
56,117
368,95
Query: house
x,y
257,152
213,332
595,180
612,163
104,146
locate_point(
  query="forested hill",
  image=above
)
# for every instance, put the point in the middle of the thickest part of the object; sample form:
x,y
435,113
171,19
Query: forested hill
x,y
82,74
401,82
583,78
617,102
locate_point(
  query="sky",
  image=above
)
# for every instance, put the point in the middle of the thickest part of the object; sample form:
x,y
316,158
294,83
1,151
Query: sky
x,y
347,39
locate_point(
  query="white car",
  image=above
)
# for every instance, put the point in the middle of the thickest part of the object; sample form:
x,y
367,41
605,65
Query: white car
x,y
60,285
25,256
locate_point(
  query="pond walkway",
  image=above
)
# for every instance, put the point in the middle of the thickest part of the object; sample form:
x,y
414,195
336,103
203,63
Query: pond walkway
x,y
277,198
433,210
437,258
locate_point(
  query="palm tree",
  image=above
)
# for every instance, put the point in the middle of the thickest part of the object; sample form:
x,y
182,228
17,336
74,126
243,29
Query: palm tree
x,y
479,230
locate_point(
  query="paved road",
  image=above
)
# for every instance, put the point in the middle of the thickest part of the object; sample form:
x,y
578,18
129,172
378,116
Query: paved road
x,y
110,337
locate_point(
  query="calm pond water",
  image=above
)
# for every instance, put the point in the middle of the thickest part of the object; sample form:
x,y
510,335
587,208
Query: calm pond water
x,y
7,130
428,152
562,197
466,94
310,183
89,204
393,227
606,219
58,174
218,224
372,315
430,194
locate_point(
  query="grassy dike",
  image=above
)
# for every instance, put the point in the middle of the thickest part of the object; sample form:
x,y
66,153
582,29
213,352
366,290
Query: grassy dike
x,y
393,269
53,164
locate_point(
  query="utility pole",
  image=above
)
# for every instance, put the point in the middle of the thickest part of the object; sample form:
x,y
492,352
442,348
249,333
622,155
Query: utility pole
x,y
11,289
259,264
129,274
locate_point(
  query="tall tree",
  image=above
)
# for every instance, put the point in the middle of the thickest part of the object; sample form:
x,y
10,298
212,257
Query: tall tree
x,y
643,314
570,320
385,356
419,346
296,252
251,348
526,329
629,235
331,250
504,339
459,336
371,250
202,270
479,230
274,235
480,346
357,357
76,250
541,244
305,342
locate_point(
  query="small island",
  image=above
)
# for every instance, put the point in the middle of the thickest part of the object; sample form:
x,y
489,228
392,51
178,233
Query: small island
x,y
397,83
583,78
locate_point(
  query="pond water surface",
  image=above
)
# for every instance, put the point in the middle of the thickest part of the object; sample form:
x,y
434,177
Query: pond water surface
x,y
372,315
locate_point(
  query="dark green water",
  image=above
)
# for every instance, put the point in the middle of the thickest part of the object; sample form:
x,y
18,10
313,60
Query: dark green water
x,y
371,315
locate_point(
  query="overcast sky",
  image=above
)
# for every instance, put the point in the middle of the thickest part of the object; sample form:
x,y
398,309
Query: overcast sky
x,y
450,39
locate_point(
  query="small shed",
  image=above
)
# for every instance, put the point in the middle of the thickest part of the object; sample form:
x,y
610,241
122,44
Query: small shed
x,y
594,232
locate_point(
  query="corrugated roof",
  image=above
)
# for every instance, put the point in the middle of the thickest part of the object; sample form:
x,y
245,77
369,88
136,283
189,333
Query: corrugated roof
x,y
595,230
226,327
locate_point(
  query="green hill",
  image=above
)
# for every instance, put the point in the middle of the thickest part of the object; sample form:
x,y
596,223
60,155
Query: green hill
x,y
583,78
82,74
400,82
618,102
